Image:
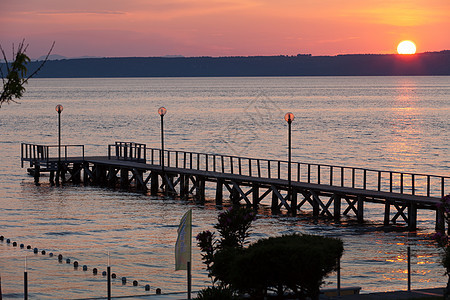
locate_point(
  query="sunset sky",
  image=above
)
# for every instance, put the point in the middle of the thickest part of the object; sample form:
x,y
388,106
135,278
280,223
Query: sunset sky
x,y
120,28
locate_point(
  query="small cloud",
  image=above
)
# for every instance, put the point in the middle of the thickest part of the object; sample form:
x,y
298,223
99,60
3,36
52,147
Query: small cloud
x,y
338,40
74,12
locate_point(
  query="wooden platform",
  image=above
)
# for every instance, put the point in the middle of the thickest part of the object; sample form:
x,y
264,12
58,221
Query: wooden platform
x,y
325,190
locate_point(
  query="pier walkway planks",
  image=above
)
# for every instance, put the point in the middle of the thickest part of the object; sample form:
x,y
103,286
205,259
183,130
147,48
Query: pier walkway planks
x,y
329,191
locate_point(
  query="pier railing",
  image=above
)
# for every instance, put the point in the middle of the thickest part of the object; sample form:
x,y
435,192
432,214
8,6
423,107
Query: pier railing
x,y
43,153
128,151
352,177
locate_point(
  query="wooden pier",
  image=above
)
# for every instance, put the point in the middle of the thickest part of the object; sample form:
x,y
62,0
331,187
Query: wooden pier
x,y
323,190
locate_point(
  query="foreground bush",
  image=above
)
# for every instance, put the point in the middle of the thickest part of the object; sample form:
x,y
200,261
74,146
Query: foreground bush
x,y
215,293
443,241
234,228
295,264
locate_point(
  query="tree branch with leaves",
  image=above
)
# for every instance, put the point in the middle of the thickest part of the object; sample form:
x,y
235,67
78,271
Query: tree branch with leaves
x,y
14,73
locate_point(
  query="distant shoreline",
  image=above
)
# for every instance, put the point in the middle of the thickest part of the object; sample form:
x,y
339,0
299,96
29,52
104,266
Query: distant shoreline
x,y
421,64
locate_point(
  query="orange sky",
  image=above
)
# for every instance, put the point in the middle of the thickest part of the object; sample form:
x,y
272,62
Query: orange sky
x,y
223,27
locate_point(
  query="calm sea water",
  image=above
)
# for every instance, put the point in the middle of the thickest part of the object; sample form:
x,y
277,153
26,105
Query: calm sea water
x,y
392,123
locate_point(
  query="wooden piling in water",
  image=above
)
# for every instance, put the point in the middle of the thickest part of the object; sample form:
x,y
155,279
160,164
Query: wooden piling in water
x,y
154,183
294,205
200,189
274,205
255,195
387,213
412,217
124,178
360,209
440,220
76,173
36,174
86,173
337,208
219,192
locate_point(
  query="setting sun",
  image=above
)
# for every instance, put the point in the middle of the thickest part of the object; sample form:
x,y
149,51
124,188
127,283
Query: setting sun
x,y
406,47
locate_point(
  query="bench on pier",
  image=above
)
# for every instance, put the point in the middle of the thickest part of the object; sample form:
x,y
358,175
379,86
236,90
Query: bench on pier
x,y
128,151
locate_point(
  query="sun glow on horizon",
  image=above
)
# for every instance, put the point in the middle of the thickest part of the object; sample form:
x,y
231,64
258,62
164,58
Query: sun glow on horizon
x,y
406,47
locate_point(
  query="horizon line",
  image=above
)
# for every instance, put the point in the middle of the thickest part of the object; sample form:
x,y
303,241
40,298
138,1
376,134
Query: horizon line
x,y
62,57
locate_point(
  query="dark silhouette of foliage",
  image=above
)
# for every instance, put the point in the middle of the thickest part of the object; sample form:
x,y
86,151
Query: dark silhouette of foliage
x,y
444,242
290,264
233,226
216,293
14,77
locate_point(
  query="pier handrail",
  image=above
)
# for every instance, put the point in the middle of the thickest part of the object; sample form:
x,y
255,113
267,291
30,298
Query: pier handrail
x,y
42,153
128,151
355,177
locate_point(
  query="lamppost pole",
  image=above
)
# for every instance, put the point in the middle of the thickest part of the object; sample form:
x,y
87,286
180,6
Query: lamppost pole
x,y
59,109
289,117
162,111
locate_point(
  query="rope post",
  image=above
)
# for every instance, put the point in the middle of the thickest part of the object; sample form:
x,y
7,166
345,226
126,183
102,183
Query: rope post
x,y
339,277
25,285
189,279
409,268
25,281
108,270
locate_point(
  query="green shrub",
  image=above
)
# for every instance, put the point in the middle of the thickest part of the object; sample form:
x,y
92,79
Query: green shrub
x,y
215,293
290,263
234,227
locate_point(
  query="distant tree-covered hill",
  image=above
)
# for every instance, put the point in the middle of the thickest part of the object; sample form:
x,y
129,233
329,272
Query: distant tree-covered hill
x,y
429,63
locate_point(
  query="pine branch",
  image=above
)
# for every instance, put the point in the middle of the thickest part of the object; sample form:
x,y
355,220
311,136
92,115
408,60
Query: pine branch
x,y
42,64
15,78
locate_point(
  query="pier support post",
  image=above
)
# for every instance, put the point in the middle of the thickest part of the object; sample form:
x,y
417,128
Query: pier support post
x,y
387,213
185,186
255,195
316,207
294,202
182,186
86,173
219,192
337,208
58,173
111,177
200,189
96,172
63,172
76,176
103,178
37,174
440,219
52,178
124,181
170,189
274,206
235,196
154,183
412,217
360,209
139,178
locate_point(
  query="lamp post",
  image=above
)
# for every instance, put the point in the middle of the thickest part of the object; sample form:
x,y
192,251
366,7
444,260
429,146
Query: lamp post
x,y
289,117
59,109
162,111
